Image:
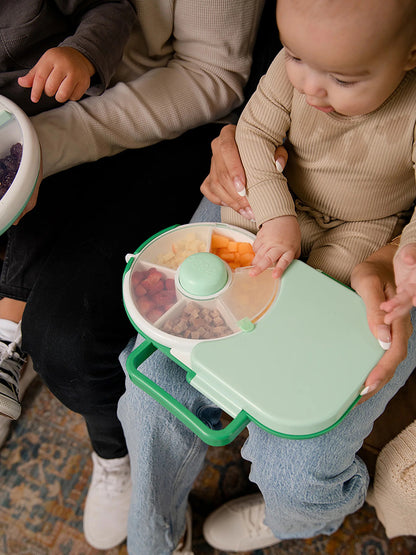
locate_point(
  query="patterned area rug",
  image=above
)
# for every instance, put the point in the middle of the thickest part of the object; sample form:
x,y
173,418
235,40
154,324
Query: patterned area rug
x,y
45,468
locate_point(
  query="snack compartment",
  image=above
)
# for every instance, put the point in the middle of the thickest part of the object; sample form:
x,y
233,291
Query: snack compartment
x,y
152,289
173,247
250,296
198,320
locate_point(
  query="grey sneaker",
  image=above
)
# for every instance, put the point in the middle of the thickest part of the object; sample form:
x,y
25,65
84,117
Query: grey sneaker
x,y
12,360
27,376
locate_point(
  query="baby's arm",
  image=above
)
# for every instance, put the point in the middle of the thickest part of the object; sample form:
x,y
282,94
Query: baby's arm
x,y
278,241
405,276
62,72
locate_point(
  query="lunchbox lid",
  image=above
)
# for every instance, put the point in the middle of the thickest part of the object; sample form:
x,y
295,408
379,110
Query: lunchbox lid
x,y
302,367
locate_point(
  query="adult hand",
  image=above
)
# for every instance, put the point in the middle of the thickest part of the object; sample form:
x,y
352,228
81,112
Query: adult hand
x,y
226,181
374,281
34,197
405,276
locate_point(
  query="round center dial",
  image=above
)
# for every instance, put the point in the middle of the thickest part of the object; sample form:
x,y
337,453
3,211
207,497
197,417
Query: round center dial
x,y
202,274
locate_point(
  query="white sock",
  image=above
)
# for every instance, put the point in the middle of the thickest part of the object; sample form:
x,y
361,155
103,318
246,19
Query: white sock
x,y
10,331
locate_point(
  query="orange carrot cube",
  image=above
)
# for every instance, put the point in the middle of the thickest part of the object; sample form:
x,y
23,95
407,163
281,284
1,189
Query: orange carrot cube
x,y
218,241
244,248
246,259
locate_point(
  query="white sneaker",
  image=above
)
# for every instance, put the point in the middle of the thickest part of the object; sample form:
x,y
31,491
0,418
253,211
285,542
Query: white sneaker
x,y
108,501
185,546
27,376
238,525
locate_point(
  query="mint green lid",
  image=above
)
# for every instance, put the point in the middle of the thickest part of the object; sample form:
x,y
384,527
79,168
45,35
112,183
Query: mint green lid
x,y
202,274
303,366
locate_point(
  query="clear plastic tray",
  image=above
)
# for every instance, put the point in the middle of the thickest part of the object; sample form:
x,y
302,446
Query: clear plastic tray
x,y
166,311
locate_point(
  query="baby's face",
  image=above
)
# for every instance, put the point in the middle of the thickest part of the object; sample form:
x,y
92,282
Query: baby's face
x,y
345,57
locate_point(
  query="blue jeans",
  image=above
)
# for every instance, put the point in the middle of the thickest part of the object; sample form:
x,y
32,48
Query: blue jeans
x,y
309,486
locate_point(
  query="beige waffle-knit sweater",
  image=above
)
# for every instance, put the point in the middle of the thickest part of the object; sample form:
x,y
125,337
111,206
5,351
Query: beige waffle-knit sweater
x,y
342,169
185,65
394,491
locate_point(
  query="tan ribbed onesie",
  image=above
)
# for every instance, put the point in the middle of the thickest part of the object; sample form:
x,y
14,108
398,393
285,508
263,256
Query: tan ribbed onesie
x,y
349,180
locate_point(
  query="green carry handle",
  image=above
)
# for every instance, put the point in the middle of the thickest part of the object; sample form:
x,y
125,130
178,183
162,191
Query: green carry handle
x,y
204,432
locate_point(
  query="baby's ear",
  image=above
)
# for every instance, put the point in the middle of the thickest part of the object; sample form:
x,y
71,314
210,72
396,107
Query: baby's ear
x,y
411,60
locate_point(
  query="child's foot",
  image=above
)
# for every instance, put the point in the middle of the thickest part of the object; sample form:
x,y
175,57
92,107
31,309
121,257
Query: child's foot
x,y
27,376
12,361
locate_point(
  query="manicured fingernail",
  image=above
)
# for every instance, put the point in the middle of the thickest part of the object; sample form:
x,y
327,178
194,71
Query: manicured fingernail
x,y
385,344
369,388
239,187
384,337
247,213
250,214
278,163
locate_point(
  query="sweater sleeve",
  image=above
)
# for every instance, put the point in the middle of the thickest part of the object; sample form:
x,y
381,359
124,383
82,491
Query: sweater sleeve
x,y
262,127
409,232
201,80
102,31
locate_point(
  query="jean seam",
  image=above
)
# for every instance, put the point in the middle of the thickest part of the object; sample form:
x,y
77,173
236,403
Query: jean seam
x,y
192,453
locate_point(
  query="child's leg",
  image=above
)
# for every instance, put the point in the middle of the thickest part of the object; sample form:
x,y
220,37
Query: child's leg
x,y
11,309
338,250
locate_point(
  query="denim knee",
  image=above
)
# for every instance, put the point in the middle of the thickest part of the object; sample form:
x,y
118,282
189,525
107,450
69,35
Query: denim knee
x,y
308,486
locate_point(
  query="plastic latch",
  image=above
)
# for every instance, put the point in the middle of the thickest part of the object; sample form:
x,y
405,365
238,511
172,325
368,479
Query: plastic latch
x,y
245,324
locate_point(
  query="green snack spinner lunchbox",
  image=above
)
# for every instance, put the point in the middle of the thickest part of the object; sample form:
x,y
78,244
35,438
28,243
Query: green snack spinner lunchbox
x,y
291,355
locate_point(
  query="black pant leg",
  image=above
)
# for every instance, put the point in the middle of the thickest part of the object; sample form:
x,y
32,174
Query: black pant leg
x,y
75,325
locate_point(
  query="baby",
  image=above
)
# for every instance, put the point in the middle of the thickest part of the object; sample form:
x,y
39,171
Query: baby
x,y
342,92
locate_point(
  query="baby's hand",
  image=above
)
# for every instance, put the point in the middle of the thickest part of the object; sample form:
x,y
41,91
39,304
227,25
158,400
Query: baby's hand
x,y
62,71
405,276
278,241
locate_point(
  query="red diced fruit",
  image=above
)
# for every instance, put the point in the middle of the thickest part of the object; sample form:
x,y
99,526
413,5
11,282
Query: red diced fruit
x,y
152,288
140,290
137,277
145,305
156,274
170,284
154,293
164,297
154,314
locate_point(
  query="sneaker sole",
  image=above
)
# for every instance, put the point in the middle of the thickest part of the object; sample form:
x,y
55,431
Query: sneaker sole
x,y
9,407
